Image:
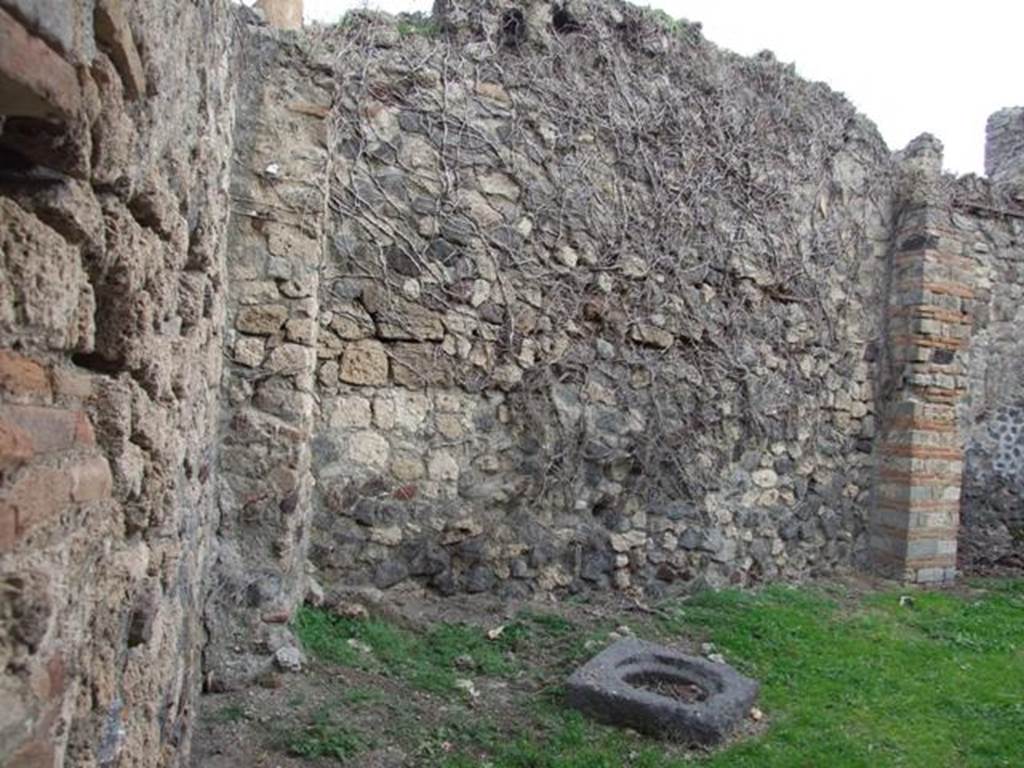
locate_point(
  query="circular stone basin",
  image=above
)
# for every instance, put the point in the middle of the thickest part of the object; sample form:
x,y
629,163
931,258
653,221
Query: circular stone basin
x,y
668,685
662,692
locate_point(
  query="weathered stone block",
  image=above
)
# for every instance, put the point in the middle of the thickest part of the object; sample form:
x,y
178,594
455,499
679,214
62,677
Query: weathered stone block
x,y
8,527
351,322
624,542
114,34
294,245
301,330
369,449
765,478
34,80
43,288
66,26
91,480
70,208
652,336
350,413
262,319
420,365
401,410
400,319
390,573
450,426
250,352
255,292
291,359
499,184
406,467
364,363
442,466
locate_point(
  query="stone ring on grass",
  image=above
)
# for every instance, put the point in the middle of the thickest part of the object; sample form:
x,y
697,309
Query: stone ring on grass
x,y
661,692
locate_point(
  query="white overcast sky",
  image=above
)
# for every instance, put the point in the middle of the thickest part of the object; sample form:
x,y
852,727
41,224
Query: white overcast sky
x,y
910,65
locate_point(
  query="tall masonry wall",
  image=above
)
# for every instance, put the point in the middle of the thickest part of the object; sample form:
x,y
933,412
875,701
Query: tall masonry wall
x,y
115,146
991,218
277,231
600,308
526,298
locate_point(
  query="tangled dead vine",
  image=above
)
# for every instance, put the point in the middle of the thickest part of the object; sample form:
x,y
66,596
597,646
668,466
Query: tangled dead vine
x,y
702,194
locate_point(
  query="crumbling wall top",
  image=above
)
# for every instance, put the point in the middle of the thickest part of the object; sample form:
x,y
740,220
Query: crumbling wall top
x,y
1004,146
282,14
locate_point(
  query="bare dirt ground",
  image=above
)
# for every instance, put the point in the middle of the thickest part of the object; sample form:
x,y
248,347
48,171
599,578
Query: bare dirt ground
x,y
379,718
475,682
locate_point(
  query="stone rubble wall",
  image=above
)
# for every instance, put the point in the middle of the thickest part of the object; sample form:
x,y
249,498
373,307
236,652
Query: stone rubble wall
x,y
278,213
522,298
600,308
1004,148
115,139
990,216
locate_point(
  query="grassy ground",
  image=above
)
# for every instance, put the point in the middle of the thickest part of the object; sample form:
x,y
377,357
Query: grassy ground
x,y
849,679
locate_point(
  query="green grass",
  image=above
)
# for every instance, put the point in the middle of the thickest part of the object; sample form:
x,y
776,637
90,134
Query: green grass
x,y
324,737
547,623
934,683
233,713
359,695
847,680
425,661
845,683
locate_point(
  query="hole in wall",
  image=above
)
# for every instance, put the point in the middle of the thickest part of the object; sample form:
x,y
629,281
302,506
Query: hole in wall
x,y
602,507
513,28
564,22
95,362
18,165
53,148
13,162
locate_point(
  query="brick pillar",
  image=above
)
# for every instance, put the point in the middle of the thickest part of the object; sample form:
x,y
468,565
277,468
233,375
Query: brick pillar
x,y
920,454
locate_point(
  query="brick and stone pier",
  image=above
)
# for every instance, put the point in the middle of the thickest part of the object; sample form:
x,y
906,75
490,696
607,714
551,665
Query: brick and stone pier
x,y
914,528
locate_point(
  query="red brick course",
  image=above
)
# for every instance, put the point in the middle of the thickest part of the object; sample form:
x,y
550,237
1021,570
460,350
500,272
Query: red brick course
x,y
51,429
48,458
915,563
933,342
917,534
922,452
922,425
40,493
16,446
22,376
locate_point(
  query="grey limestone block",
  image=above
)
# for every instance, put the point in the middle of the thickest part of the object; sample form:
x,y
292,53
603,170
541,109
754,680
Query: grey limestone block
x,y
618,685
